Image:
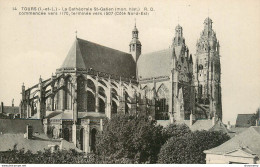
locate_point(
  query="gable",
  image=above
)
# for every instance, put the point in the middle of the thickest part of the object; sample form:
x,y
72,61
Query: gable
x,y
245,120
240,153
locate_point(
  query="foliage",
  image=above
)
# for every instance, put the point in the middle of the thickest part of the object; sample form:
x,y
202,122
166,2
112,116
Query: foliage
x,y
189,148
176,130
3,116
129,139
255,118
58,157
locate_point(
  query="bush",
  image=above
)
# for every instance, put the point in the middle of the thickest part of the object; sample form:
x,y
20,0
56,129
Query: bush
x,y
46,157
176,130
129,139
188,148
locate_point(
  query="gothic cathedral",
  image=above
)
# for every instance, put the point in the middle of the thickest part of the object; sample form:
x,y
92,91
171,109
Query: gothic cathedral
x,y
96,82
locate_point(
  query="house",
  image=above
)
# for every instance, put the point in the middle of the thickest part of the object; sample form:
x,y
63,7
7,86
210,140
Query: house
x,y
9,111
28,135
245,120
243,149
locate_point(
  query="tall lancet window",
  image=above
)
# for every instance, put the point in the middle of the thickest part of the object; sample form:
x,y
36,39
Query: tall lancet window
x,y
162,106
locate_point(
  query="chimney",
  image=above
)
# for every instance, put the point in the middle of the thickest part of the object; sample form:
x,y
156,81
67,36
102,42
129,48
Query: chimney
x,y
101,124
29,131
192,118
213,120
2,107
12,102
228,125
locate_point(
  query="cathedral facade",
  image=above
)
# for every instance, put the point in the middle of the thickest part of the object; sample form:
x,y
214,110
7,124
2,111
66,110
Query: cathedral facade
x,y
96,82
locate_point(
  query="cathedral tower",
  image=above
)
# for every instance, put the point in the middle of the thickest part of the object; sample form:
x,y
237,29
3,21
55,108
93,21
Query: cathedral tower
x,y
182,75
135,45
207,72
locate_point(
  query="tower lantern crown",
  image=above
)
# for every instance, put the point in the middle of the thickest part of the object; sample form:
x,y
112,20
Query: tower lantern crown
x,y
135,33
135,45
208,23
178,40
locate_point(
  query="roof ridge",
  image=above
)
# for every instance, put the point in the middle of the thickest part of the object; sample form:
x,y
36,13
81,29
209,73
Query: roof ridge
x,y
103,46
80,55
246,114
158,51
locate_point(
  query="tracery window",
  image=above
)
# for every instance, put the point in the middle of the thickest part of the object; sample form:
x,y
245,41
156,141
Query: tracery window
x,y
161,106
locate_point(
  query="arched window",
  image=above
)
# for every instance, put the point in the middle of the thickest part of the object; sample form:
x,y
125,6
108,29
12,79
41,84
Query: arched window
x,y
81,139
161,106
102,106
69,91
81,95
114,108
133,48
91,101
93,139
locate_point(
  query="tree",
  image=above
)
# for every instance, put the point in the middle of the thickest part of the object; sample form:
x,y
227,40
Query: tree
x,y
176,130
189,148
129,139
255,118
46,157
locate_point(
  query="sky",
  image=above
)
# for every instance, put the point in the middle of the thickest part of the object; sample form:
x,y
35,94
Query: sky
x,y
34,46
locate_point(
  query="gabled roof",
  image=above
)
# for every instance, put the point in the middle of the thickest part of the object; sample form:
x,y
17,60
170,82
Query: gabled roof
x,y
244,120
85,55
248,139
10,110
155,64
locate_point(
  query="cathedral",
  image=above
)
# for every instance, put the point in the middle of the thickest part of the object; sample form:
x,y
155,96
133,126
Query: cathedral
x,y
96,82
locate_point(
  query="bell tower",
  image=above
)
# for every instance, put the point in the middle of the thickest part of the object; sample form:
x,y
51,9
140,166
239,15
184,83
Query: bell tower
x,y
135,47
208,71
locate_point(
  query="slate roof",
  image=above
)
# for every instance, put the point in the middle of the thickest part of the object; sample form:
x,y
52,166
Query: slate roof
x,y
248,139
155,64
85,55
198,125
66,115
10,110
37,143
14,126
236,130
50,114
243,120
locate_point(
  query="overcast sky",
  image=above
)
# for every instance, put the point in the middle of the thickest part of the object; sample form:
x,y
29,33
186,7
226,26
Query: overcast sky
x,y
31,46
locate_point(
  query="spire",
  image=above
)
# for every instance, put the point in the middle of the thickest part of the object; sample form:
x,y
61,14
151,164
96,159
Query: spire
x,y
76,33
208,23
135,32
40,79
178,40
